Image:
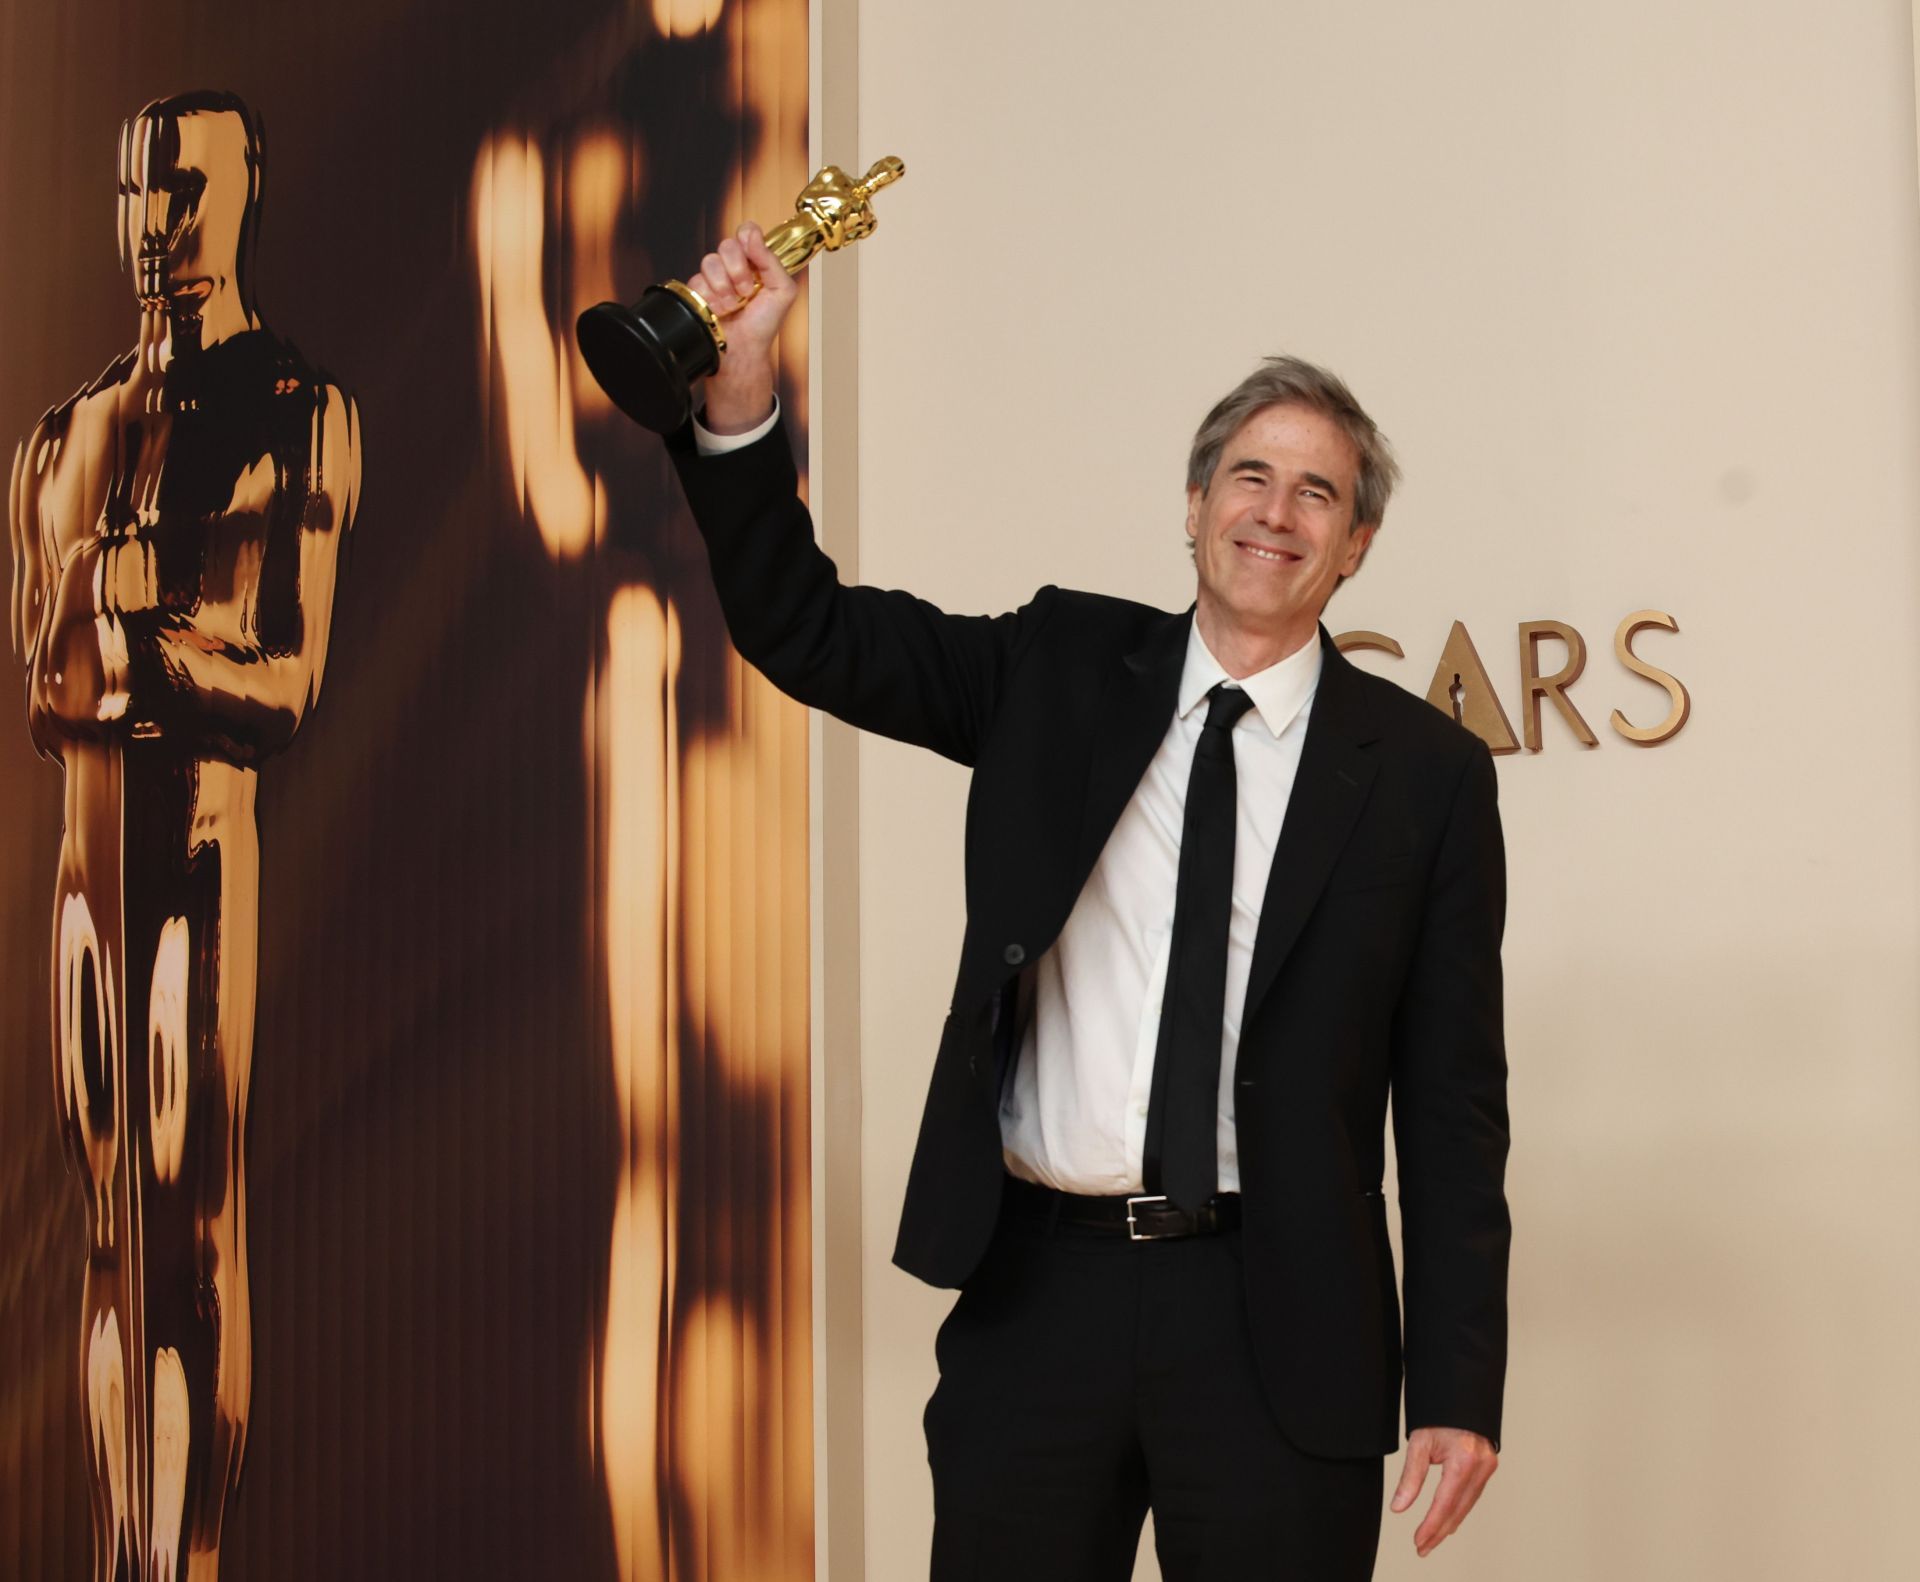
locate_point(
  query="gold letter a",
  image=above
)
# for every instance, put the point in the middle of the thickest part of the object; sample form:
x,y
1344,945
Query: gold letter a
x,y
1460,688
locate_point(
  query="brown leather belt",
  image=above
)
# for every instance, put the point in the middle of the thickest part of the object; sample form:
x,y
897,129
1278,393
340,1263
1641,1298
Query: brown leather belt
x,y
1142,1217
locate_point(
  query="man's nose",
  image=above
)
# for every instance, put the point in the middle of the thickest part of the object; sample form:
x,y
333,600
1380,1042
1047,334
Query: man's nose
x,y
1275,511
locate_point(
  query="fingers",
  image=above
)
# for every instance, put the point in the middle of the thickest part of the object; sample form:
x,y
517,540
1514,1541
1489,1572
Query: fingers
x,y
726,279
1444,1514
1466,1464
766,266
738,270
1413,1474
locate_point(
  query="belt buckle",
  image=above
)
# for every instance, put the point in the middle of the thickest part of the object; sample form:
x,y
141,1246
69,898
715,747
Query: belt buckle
x,y
1134,1233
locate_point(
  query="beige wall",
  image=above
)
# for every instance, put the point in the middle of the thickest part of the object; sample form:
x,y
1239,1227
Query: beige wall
x,y
1632,288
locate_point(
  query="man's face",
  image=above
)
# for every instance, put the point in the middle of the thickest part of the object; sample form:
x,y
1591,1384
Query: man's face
x,y
1271,534
184,191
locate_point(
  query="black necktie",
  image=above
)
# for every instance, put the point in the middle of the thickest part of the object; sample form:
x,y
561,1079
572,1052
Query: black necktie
x,y
1182,1154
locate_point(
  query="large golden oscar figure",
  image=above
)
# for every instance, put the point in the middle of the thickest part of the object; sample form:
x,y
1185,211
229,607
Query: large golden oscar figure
x,y
176,526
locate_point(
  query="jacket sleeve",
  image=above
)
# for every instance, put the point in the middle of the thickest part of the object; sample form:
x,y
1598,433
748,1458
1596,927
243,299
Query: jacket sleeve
x,y
1450,1124
881,660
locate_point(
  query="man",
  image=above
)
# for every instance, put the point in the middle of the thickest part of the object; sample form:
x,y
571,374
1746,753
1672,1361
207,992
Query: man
x,y
1224,893
176,531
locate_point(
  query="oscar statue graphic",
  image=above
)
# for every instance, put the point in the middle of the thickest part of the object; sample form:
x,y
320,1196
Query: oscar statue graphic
x,y
176,527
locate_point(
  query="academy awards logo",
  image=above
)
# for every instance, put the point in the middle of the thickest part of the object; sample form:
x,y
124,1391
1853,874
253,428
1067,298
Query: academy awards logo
x,y
1461,687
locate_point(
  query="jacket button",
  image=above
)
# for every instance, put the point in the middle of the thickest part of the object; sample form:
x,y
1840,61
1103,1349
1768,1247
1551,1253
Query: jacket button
x,y
1014,955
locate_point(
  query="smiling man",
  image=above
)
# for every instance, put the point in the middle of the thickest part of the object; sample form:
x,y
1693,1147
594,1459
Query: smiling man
x,y
1227,899
1282,530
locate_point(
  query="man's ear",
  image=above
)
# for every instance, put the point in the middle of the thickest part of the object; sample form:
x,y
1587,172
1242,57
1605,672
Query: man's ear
x,y
1358,538
1195,494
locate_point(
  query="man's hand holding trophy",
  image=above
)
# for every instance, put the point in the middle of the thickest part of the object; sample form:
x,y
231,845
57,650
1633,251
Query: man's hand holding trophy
x,y
647,356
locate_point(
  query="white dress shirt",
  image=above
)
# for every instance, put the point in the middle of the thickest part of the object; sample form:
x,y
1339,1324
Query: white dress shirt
x,y
1075,1115
708,443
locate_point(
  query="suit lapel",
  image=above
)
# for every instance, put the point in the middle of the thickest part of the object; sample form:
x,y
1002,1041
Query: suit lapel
x,y
1329,791
1129,723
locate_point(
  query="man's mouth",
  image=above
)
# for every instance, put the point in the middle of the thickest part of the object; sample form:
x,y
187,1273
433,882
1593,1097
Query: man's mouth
x,y
1259,553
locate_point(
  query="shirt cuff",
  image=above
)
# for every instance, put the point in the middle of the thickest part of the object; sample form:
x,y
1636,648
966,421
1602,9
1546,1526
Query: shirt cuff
x,y
708,443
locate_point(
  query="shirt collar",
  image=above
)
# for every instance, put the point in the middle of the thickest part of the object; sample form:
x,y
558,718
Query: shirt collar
x,y
1280,692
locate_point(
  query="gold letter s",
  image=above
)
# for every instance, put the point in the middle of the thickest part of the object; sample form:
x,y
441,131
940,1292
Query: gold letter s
x,y
1682,704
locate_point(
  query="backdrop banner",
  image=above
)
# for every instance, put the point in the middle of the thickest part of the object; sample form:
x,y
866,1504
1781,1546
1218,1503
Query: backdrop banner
x,y
403,1080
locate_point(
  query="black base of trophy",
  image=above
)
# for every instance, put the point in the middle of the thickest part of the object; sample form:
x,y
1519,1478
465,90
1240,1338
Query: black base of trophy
x,y
647,356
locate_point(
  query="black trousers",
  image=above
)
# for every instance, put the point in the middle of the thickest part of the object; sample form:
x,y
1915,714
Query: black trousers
x,y
1085,1378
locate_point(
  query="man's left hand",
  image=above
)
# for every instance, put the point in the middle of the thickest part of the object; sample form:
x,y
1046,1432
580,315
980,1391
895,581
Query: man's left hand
x,y
1466,1460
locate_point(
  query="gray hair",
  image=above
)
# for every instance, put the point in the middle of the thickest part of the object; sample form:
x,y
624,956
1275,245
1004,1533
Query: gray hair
x,y
1288,381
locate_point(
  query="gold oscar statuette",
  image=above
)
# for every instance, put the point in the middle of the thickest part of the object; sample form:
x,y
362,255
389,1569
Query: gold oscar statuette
x,y
646,356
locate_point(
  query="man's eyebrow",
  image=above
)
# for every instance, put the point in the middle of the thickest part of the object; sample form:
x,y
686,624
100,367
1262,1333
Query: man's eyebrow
x,y
1254,464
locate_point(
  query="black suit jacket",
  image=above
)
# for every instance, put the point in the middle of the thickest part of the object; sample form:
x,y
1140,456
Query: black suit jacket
x,y
1376,966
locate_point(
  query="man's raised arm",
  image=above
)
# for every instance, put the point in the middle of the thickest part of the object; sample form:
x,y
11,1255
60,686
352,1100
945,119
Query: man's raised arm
x,y
881,660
